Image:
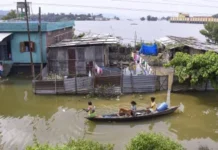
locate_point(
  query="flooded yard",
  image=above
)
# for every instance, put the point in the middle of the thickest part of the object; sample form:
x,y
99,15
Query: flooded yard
x,y
55,119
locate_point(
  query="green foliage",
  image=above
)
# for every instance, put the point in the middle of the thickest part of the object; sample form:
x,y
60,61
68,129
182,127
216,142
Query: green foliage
x,y
196,69
11,15
142,18
215,16
152,141
73,145
211,32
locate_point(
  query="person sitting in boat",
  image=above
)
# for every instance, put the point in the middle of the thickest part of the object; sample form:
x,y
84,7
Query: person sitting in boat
x,y
153,105
128,112
90,110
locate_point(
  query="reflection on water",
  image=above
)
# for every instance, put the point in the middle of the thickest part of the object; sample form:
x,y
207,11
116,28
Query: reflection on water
x,y
56,119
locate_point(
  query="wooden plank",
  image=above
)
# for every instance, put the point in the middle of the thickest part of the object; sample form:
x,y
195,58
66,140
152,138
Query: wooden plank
x,y
44,92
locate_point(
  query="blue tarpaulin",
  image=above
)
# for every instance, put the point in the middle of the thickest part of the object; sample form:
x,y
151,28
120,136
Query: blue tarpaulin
x,y
149,49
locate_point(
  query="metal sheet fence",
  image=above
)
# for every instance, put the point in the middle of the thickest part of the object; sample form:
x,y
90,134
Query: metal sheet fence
x,y
139,84
186,86
107,80
114,84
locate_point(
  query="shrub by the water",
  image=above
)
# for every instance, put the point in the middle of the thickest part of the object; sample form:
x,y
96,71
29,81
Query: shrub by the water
x,y
73,145
153,141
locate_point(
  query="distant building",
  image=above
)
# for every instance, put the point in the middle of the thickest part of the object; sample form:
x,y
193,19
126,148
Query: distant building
x,y
187,45
14,45
99,18
185,18
182,15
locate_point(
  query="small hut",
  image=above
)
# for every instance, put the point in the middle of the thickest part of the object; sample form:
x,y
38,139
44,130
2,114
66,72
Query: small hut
x,y
79,56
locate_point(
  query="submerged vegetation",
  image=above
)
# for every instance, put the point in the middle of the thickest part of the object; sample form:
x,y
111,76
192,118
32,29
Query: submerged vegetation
x,y
152,141
143,141
73,145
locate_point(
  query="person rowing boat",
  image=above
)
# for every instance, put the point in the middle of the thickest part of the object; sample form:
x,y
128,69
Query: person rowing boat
x,y
90,110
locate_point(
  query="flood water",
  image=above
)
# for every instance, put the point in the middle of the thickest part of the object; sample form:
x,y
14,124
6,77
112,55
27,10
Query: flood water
x,y
146,31
55,119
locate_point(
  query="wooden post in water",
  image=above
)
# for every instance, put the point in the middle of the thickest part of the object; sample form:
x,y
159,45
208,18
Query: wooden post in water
x,y
93,77
40,41
206,86
131,78
75,83
55,84
121,79
28,31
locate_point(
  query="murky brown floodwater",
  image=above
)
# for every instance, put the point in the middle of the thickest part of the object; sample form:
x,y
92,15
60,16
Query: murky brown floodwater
x,y
55,119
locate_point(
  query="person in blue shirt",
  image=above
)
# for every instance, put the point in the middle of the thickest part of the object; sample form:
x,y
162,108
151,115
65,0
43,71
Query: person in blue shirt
x,y
133,105
128,112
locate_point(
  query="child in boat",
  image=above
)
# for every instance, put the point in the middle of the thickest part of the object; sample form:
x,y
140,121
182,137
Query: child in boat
x,y
133,106
153,105
127,112
91,110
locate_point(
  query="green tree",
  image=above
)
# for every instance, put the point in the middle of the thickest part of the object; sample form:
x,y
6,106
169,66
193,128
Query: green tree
x,y
152,141
211,32
116,18
142,18
11,15
149,17
196,69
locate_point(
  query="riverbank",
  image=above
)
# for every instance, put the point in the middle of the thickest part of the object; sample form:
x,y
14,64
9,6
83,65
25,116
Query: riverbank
x,y
56,119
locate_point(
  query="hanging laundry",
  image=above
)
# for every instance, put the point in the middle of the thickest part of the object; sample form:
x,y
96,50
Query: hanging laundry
x,y
132,55
98,70
90,73
149,50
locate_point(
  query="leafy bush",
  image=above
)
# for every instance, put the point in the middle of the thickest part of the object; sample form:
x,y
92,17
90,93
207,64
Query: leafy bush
x,y
152,141
73,145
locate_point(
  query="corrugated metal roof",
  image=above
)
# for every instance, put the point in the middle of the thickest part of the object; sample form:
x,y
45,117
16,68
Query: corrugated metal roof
x,y
3,36
88,40
20,26
172,42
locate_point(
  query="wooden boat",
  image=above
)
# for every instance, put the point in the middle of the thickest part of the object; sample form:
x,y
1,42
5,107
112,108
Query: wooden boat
x,y
139,115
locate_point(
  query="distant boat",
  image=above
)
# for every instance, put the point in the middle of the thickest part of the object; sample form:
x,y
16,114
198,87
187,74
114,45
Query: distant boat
x,y
133,24
129,19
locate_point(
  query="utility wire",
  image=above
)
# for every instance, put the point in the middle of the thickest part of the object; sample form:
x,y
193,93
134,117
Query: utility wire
x,y
211,1
115,8
2,5
161,3
177,1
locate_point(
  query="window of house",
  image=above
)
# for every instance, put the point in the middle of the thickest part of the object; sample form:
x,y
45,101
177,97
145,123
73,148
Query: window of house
x,y
24,46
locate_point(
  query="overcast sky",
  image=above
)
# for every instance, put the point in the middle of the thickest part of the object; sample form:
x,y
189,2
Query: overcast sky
x,y
172,6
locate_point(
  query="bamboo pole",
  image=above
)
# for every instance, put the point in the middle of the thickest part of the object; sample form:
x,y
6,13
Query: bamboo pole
x,y
31,57
55,83
40,41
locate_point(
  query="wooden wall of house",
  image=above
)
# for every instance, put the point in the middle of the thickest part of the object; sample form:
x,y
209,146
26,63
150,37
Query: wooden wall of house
x,y
58,61
56,36
61,61
84,55
195,51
